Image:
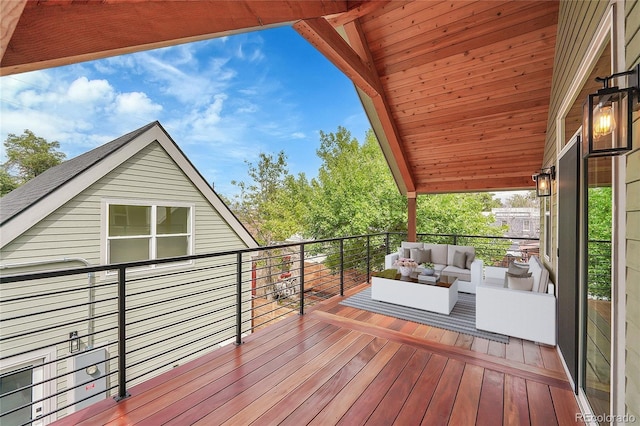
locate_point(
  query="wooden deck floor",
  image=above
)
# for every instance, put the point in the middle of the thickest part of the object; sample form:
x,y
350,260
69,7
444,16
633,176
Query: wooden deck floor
x,y
340,365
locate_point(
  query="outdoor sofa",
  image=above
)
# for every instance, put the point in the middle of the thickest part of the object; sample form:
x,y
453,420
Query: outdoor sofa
x,y
520,306
448,259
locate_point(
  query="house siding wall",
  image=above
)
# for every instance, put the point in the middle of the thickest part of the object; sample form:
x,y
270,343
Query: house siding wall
x,y
632,359
74,231
577,25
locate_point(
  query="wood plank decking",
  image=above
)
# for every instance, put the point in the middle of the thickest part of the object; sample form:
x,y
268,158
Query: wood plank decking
x,y
340,365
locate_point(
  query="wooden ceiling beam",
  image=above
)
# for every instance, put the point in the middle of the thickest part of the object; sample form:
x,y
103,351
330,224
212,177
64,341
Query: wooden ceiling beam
x,y
325,38
10,11
356,63
363,9
52,34
358,42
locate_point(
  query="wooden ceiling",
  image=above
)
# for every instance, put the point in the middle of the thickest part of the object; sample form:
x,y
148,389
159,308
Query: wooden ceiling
x,y
457,91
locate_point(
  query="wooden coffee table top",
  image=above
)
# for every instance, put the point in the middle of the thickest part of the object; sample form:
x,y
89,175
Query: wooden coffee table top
x,y
442,279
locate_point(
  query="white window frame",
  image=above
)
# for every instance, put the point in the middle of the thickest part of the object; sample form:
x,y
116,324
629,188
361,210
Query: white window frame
x,y
43,371
153,235
526,225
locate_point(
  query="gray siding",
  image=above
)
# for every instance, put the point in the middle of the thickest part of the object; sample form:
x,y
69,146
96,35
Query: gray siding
x,y
194,292
632,391
577,25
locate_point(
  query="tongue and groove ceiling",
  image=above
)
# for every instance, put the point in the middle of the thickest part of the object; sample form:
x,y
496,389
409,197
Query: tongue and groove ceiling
x,y
456,91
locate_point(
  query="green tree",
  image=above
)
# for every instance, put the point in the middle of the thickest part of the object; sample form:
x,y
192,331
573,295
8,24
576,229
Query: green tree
x,y
519,200
354,192
263,202
489,201
461,214
29,155
599,241
7,182
269,204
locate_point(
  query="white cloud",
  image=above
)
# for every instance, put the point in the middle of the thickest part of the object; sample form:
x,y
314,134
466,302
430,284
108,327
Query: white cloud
x,y
136,103
85,91
298,135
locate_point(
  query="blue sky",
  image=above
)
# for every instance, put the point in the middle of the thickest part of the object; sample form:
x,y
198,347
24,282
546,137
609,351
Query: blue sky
x,y
223,101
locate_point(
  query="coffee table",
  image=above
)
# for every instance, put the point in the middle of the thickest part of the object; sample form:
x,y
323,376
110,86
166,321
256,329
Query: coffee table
x,y
438,297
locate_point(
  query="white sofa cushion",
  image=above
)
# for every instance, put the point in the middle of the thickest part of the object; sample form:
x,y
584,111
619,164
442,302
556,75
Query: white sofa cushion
x,y
540,275
410,245
438,253
453,271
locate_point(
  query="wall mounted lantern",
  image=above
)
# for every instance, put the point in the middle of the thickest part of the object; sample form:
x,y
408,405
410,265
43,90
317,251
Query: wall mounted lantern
x,y
543,181
608,114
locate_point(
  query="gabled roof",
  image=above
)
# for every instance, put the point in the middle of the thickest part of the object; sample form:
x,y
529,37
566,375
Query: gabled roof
x,y
44,184
28,204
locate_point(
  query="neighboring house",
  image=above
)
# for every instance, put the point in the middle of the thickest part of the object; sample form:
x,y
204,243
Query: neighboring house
x,y
135,198
522,222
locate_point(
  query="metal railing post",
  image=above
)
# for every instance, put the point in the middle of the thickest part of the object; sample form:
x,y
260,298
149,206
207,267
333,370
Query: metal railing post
x,y
301,279
368,257
341,267
386,243
122,335
239,299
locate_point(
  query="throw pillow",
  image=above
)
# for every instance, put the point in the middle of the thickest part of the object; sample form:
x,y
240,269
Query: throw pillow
x,y
520,283
404,253
460,259
470,258
420,255
508,275
516,269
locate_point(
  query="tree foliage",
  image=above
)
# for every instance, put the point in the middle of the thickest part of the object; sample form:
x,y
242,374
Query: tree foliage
x,y
7,182
262,202
354,192
460,214
519,200
28,156
599,241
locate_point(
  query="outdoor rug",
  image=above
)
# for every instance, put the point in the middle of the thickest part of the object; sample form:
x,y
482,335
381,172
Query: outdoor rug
x,y
462,318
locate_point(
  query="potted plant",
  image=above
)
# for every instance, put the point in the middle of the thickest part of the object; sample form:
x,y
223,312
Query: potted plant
x,y
428,268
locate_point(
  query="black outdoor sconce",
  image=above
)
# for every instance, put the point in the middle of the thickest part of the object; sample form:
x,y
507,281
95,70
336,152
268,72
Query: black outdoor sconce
x,y
608,116
543,181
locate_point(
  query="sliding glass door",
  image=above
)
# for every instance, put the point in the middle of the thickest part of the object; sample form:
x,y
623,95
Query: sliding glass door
x,y
597,283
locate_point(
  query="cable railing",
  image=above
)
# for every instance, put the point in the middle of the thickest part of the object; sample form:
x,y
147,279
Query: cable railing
x,y
74,336
79,335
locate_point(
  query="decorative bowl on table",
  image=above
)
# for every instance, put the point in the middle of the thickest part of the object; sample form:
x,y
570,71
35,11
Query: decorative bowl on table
x,y
428,271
